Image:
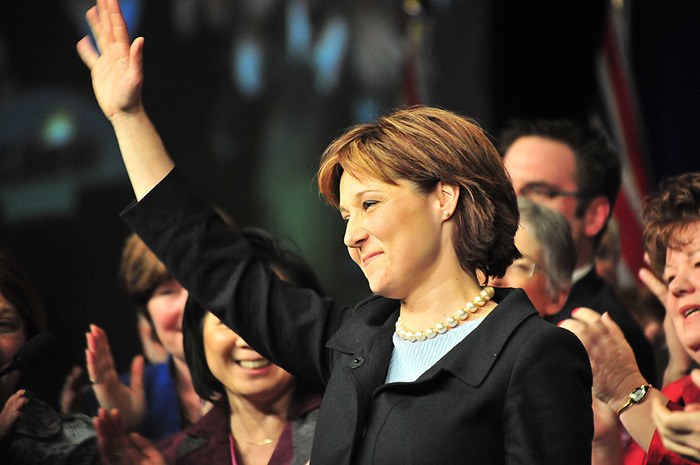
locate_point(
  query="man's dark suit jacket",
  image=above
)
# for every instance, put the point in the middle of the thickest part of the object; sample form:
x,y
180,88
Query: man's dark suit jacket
x,y
593,292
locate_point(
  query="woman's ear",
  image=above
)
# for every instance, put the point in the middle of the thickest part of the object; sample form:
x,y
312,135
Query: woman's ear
x,y
447,195
556,303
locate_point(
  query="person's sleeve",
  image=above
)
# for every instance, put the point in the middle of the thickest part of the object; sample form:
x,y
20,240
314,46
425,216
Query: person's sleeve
x,y
548,413
657,453
219,269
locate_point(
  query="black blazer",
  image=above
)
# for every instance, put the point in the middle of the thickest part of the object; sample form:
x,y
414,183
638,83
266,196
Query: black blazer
x,y
517,390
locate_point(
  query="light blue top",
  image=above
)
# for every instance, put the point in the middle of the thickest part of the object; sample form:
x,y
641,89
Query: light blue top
x,y
409,360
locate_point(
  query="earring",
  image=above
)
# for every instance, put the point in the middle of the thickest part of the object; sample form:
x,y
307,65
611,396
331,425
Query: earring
x,y
447,213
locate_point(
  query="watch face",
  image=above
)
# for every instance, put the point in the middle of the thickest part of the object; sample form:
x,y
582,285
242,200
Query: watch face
x,y
638,394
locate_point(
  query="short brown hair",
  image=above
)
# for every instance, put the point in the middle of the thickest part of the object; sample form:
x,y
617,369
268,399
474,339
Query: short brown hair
x,y
677,204
429,145
140,272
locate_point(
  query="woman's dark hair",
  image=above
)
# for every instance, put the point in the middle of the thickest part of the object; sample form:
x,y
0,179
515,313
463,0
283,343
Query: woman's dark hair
x,y
18,289
286,263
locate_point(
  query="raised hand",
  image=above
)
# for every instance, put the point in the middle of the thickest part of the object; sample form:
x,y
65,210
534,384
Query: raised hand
x,y
117,64
110,391
654,284
10,411
117,447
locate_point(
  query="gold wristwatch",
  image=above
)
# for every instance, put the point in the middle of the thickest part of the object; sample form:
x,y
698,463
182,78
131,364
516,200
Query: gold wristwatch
x,y
635,397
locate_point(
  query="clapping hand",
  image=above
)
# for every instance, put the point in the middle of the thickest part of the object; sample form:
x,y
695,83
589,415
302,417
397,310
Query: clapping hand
x,y
612,359
680,429
11,411
117,447
110,391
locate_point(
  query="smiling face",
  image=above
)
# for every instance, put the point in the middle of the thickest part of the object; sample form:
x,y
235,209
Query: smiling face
x,y
166,307
242,371
682,273
12,337
393,233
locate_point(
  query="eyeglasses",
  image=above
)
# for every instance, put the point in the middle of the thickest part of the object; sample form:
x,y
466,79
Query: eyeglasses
x,y
523,267
548,191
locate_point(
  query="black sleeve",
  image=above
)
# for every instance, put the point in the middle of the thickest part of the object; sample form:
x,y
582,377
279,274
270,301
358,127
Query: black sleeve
x,y
218,267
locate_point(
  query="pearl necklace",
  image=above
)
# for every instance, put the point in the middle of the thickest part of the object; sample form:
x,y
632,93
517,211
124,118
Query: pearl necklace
x,y
441,328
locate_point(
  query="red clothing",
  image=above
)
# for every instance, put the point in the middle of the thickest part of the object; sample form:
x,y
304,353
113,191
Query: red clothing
x,y
680,393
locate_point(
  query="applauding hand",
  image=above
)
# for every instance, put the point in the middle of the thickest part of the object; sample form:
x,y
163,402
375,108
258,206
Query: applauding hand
x,y
109,389
117,447
10,411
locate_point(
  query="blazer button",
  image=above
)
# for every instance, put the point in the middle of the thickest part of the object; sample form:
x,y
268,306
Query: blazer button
x,y
357,362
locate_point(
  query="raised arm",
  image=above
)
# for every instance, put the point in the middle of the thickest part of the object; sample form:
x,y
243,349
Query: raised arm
x,y
116,68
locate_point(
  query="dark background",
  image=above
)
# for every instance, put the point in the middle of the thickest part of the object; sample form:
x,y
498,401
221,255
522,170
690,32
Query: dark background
x,y
249,135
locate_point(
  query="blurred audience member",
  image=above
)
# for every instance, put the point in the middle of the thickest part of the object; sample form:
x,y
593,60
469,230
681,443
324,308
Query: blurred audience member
x,y
31,431
152,349
261,413
677,362
571,167
672,241
544,272
157,400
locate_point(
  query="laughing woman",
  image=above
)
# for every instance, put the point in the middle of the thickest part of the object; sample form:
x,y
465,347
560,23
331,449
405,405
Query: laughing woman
x,y
261,414
672,240
431,368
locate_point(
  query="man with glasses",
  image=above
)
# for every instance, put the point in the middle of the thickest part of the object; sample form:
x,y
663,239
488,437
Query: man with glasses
x,y
571,167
